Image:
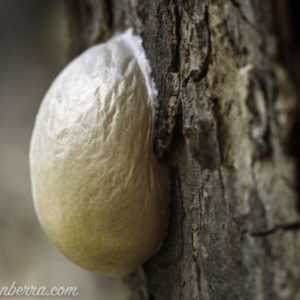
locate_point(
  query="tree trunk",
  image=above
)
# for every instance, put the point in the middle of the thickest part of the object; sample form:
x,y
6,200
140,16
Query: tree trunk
x,y
227,130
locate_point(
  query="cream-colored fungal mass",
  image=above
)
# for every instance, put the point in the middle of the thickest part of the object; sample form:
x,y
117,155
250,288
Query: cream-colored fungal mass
x,y
99,191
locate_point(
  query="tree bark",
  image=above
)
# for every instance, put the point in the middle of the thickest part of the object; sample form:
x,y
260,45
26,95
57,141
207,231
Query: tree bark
x,y
227,130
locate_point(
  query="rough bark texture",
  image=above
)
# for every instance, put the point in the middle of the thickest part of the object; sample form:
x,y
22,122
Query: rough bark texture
x,y
225,122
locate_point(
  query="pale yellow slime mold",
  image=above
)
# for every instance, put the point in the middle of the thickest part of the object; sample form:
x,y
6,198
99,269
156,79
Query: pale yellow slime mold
x,y
99,191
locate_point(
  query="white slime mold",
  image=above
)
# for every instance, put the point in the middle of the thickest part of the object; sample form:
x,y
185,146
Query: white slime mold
x,y
99,191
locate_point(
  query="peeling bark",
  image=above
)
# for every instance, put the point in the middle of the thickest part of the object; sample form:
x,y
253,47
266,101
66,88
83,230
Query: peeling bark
x,y
226,120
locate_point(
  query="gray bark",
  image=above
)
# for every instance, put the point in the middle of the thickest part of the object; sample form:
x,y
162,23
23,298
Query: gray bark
x,y
227,109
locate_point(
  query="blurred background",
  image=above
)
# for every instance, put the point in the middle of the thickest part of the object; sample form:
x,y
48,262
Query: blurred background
x,y
33,46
